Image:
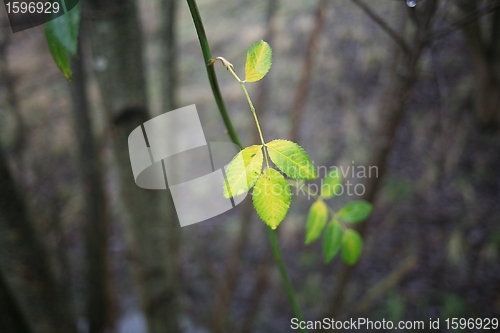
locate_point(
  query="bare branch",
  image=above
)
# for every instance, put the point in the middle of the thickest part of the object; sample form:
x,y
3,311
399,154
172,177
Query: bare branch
x,y
384,25
467,19
386,284
307,67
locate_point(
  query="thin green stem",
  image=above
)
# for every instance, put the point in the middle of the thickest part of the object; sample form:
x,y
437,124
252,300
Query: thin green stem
x,y
212,77
253,111
273,239
234,137
341,223
256,120
229,66
234,74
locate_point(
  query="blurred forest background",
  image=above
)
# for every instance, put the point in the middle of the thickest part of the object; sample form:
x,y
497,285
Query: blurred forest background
x,y
412,87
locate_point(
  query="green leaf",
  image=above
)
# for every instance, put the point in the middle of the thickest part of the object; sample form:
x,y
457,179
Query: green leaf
x,y
65,29
331,183
355,211
332,240
59,53
290,158
259,60
316,220
352,245
62,37
271,197
243,171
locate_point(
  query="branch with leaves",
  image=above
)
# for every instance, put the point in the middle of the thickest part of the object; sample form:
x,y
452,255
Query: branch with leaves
x,y
271,191
271,194
273,239
336,234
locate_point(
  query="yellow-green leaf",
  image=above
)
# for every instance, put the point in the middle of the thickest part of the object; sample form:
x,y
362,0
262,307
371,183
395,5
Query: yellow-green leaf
x,y
355,211
316,220
352,245
331,184
290,158
243,171
259,60
271,197
332,240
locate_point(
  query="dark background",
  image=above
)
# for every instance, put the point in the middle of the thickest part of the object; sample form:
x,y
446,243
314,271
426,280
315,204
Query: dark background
x,y
413,91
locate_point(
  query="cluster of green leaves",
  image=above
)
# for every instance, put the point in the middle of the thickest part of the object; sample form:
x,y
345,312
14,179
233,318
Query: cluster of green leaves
x,y
336,236
271,193
62,37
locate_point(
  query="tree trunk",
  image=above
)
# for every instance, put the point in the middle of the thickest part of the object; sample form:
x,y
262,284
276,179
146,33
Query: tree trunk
x,y
484,52
169,102
17,143
115,37
25,274
168,54
96,213
12,319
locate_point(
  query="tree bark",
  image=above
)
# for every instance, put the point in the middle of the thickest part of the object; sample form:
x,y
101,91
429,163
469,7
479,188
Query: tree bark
x,y
18,141
99,304
169,103
25,272
168,54
12,319
115,37
484,52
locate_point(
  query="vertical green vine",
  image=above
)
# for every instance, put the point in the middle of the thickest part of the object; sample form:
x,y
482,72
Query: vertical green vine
x,y
234,137
212,77
271,193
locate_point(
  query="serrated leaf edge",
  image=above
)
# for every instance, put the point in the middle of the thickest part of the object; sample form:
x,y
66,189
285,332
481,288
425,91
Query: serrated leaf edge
x,y
250,79
287,204
314,171
250,185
